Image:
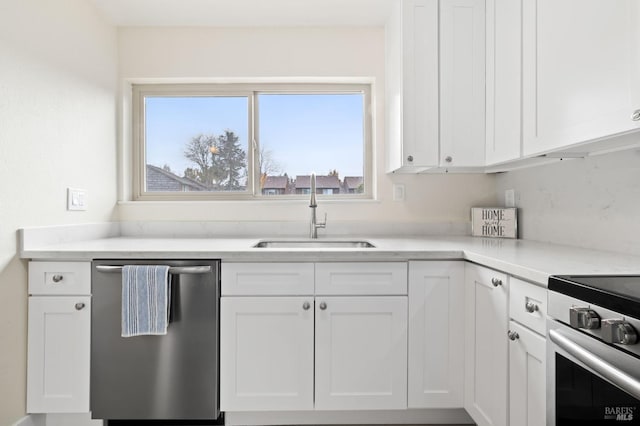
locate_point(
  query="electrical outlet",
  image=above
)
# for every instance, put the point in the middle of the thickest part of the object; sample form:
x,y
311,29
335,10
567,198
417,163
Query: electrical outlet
x,y
398,192
510,198
76,199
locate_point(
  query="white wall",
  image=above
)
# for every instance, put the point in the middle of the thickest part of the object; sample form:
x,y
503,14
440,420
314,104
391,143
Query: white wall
x,y
57,128
196,54
592,202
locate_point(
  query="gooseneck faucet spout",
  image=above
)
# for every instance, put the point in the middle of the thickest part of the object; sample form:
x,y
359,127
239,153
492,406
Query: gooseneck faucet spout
x,y
313,232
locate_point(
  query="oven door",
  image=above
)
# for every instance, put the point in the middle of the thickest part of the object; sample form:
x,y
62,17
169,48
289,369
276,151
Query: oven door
x,y
588,381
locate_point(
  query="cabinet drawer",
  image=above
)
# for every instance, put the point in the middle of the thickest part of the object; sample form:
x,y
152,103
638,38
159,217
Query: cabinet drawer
x,y
528,305
59,278
361,278
269,279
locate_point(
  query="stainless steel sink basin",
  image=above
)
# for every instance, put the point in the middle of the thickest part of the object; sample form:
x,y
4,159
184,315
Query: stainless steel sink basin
x,y
313,244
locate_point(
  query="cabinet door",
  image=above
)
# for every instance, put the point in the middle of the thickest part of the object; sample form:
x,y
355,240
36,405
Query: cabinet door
x,y
412,85
462,83
527,373
266,358
58,354
361,353
578,71
486,357
420,82
436,327
504,79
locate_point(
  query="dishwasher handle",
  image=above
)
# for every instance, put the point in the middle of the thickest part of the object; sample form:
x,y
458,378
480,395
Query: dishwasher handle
x,y
175,270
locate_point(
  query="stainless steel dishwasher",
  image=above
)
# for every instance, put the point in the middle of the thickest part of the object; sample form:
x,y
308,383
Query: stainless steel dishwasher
x,y
170,377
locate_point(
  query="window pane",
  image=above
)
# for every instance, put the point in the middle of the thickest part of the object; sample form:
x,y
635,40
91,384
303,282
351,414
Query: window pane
x,y
196,143
304,133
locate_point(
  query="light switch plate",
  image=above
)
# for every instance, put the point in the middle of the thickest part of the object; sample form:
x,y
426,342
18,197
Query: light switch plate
x,y
76,199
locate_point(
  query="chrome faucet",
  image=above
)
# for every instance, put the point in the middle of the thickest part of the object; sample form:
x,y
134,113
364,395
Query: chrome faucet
x,y
313,205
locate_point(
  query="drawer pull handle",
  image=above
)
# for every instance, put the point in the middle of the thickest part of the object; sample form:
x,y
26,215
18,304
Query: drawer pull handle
x,y
79,306
306,306
531,307
323,306
513,335
496,282
57,278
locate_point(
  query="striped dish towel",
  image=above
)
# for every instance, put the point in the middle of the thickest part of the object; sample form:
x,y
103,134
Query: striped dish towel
x,y
145,300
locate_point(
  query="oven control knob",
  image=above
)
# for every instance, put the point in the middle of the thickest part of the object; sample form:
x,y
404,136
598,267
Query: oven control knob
x,y
584,318
618,331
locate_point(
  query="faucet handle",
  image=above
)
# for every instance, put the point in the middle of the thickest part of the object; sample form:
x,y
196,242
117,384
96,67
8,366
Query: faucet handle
x,y
324,223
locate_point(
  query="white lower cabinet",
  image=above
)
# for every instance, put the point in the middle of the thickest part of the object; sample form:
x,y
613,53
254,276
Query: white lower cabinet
x,y
267,353
436,327
527,372
322,352
361,353
486,352
527,353
58,356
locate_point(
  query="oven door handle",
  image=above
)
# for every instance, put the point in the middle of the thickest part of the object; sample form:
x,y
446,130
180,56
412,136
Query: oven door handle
x,y
607,371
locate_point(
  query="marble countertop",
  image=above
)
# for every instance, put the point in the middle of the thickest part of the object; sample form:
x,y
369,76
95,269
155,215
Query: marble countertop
x,y
530,260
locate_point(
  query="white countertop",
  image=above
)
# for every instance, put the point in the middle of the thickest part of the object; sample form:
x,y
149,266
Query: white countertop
x,y
530,260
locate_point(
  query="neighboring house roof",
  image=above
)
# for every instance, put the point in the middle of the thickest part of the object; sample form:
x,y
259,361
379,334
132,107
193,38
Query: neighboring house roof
x,y
352,182
275,182
322,182
159,180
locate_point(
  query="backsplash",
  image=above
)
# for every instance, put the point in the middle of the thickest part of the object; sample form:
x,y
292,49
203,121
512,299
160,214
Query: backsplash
x,y
591,202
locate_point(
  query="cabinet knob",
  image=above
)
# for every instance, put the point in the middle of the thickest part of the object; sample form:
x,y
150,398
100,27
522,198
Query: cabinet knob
x,y
496,282
636,115
513,336
531,307
306,306
57,278
323,306
410,158
79,306
448,159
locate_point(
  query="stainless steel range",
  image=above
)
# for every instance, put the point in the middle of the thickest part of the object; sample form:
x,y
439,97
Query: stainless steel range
x,y
593,355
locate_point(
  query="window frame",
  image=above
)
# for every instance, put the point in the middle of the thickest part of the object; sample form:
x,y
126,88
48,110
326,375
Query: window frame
x,y
251,91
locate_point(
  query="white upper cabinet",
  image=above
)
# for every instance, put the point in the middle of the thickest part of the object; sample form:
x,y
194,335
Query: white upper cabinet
x,y
579,72
462,83
412,86
435,85
504,80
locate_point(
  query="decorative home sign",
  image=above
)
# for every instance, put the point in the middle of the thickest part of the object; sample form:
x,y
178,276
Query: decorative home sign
x,y
494,222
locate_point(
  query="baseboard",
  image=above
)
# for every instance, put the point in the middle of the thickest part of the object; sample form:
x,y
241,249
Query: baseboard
x,y
32,420
83,419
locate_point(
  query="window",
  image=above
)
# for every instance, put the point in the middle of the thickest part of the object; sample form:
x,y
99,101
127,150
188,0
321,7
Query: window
x,y
240,141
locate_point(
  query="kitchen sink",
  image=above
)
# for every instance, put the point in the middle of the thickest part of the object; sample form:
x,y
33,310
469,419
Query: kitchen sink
x,y
313,244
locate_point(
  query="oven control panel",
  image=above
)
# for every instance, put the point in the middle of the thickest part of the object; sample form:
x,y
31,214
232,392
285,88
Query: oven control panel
x,y
605,324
